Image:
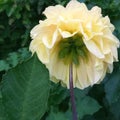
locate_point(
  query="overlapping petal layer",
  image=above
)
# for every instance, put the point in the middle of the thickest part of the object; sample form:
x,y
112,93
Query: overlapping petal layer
x,y
97,35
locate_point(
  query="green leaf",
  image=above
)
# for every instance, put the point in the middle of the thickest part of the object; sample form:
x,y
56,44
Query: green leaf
x,y
57,116
3,116
85,105
112,87
57,94
11,10
115,109
25,90
116,22
3,65
14,58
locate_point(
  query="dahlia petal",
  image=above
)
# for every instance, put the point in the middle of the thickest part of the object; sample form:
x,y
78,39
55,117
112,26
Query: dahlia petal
x,y
106,22
54,11
96,10
82,76
47,34
110,68
114,53
36,31
99,70
74,75
112,39
74,4
62,72
66,34
50,39
93,48
41,50
109,58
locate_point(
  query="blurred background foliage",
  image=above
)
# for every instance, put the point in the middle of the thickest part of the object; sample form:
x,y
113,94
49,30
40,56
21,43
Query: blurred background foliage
x,y
17,18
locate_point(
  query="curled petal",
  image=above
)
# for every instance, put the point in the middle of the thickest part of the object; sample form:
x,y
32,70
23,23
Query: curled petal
x,y
37,46
93,48
54,11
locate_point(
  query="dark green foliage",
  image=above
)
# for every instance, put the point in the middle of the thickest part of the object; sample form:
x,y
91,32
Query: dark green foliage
x,y
85,104
25,90
61,106
14,58
112,87
3,114
17,18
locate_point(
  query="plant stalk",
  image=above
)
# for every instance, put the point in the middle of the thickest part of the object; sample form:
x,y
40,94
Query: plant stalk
x,y
72,97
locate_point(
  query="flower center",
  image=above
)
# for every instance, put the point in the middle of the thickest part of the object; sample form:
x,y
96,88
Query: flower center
x,y
72,49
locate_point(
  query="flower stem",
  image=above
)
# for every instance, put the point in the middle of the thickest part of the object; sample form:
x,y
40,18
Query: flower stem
x,y
72,93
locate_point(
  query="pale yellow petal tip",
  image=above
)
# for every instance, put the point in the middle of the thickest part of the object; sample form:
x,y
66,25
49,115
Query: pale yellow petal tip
x,y
74,4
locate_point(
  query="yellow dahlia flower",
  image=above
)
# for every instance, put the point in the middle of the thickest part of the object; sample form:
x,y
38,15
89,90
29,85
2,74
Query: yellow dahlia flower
x,y
74,34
